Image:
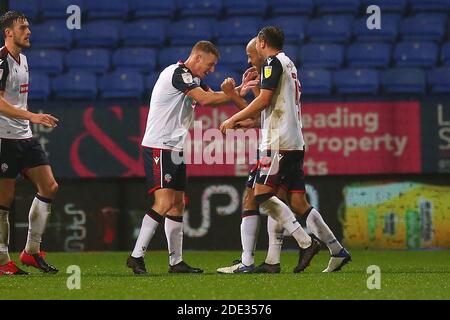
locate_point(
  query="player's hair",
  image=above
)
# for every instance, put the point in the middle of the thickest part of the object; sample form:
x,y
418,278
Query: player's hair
x,y
8,19
207,47
273,36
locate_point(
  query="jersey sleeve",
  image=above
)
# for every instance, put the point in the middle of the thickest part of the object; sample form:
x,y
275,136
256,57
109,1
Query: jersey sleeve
x,y
183,80
4,72
271,73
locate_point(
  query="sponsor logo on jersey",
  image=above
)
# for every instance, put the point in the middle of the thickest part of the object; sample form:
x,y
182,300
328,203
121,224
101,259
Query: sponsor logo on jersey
x,y
187,78
267,71
23,88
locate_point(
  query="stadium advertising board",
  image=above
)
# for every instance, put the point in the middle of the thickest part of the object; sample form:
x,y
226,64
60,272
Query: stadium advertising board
x,y
342,138
368,212
436,136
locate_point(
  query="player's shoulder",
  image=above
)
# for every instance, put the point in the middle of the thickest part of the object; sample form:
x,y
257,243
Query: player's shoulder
x,y
272,61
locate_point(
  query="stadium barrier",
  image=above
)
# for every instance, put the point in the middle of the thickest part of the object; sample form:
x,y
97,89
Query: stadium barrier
x,y
396,212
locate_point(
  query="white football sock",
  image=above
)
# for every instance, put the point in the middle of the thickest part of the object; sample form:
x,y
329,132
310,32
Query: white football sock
x,y
275,231
174,234
249,235
39,212
281,212
315,222
4,236
148,228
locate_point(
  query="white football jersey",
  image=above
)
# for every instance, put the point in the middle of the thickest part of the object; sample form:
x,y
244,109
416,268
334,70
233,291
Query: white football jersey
x,y
281,122
171,111
14,82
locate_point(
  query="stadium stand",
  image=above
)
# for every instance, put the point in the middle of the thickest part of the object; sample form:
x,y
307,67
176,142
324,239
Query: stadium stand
x,y
326,38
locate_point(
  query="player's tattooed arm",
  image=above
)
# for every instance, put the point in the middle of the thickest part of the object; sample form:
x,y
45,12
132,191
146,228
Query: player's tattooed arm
x,y
10,111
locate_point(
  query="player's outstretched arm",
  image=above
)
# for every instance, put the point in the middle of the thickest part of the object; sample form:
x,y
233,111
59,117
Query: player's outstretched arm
x,y
208,97
10,111
256,106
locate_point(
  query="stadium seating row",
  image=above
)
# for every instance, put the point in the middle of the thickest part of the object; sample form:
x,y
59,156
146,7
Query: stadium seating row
x,y
215,8
237,30
333,56
127,83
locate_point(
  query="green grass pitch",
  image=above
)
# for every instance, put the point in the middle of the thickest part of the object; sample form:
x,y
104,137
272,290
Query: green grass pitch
x,y
404,275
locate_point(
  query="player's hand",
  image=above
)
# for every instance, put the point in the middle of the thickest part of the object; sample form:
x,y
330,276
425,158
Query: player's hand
x,y
228,86
227,124
246,124
45,119
248,86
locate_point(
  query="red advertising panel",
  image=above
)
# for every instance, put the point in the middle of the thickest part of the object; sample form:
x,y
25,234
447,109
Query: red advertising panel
x,y
362,137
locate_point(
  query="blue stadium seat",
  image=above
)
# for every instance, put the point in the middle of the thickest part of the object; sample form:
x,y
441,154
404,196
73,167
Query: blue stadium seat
x,y
199,8
215,79
429,5
416,54
315,81
51,34
404,80
29,8
58,8
233,57
150,9
439,80
39,86
143,59
248,7
106,9
75,85
330,28
387,33
294,27
339,6
424,27
171,55
445,54
356,81
189,31
102,33
281,7
150,81
369,55
144,32
291,51
93,59
321,56
398,6
45,61
237,30
122,83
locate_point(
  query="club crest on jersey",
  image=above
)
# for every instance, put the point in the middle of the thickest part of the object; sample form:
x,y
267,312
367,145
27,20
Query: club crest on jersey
x,y
267,71
156,159
187,77
4,167
167,178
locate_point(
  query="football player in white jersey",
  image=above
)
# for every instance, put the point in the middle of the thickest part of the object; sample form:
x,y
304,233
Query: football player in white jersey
x,y
178,91
19,151
283,151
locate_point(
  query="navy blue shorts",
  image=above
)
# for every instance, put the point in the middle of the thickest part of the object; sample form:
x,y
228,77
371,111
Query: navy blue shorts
x,y
19,155
282,169
164,169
